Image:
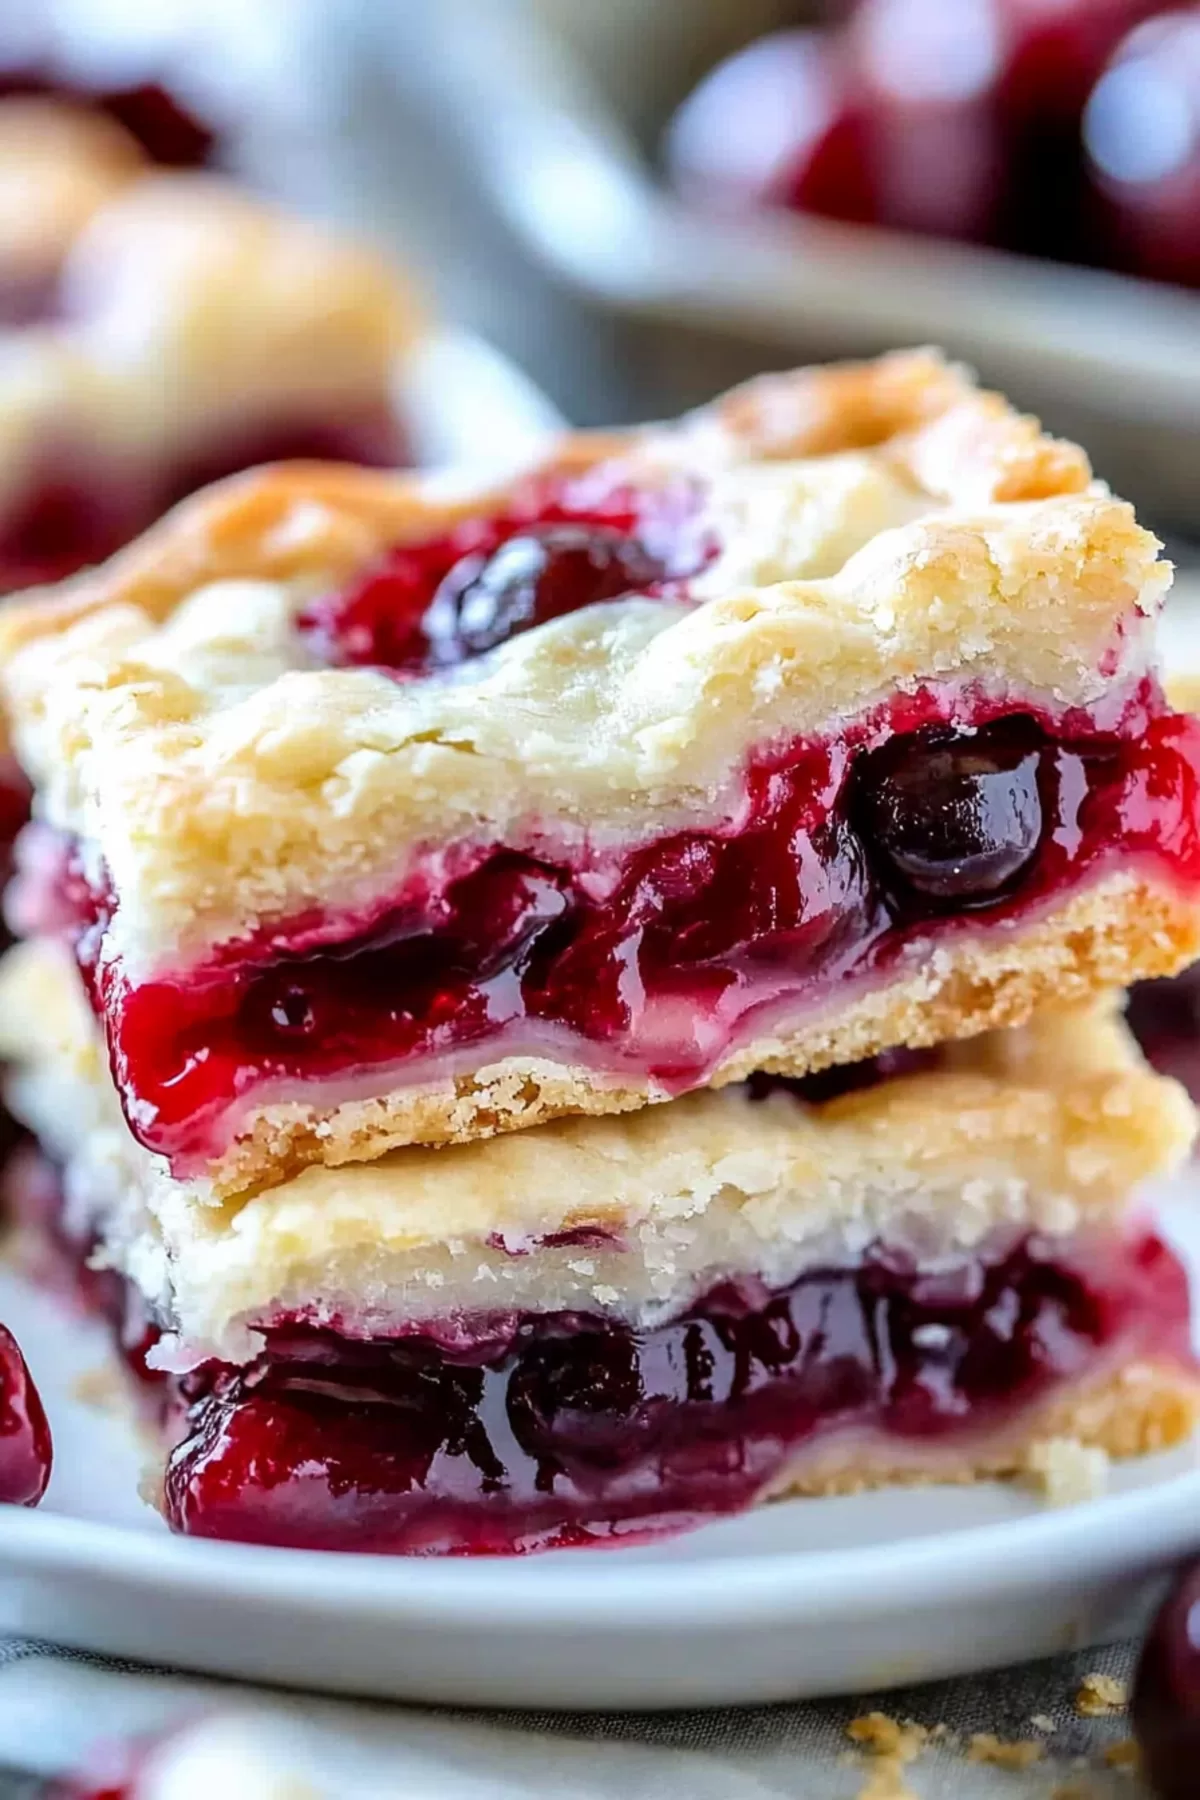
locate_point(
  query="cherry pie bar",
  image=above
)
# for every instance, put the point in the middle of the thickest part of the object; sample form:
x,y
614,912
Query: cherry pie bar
x,y
190,331
604,1328
384,810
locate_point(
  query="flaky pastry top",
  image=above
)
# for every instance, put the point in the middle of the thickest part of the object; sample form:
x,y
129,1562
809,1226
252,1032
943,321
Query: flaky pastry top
x,y
881,527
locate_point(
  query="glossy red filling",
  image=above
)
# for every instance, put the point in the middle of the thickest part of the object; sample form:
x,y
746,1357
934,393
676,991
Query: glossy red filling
x,y
439,601
572,1429
842,857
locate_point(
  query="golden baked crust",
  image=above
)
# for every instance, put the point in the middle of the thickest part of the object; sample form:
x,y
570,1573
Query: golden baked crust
x,y
1134,1410
1099,939
1048,1128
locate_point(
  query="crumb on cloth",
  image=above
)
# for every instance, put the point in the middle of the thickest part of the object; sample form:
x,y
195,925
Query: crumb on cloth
x,y
881,1735
1099,1695
1021,1753
1123,1755
891,1745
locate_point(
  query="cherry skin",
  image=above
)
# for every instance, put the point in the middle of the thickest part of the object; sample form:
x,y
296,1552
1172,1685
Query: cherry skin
x,y
1166,1694
26,1452
952,817
541,574
1055,49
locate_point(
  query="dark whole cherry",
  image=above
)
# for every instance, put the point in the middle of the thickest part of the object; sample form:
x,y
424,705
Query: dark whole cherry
x,y
925,74
579,1396
1166,1694
540,574
954,817
26,1452
292,1012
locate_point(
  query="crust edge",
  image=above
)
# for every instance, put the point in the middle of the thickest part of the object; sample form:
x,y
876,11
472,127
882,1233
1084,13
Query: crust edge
x,y
1122,929
1143,1407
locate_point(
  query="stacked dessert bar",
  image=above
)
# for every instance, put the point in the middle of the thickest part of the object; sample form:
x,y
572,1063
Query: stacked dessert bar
x,y
559,1012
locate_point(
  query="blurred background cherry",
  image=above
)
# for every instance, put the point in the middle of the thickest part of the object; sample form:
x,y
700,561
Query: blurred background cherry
x,y
1141,133
1166,1694
1061,128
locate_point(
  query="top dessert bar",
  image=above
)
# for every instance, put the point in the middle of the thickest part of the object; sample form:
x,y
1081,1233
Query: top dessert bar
x,y
385,809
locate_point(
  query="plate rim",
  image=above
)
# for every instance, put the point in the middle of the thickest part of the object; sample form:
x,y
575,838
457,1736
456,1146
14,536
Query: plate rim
x,y
1116,1533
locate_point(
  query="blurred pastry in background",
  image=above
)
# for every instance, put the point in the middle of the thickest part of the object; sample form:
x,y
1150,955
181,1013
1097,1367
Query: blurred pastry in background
x,y
58,166
130,71
192,331
1069,130
196,331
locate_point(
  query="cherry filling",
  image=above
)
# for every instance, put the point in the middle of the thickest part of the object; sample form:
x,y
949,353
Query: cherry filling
x,y
842,857
572,1429
558,546
25,1448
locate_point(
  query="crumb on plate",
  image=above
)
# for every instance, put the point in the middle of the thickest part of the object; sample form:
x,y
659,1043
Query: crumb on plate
x,y
1067,1471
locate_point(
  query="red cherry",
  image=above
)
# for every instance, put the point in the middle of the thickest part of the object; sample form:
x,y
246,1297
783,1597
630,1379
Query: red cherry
x,y
1141,132
775,123
25,1447
1166,1694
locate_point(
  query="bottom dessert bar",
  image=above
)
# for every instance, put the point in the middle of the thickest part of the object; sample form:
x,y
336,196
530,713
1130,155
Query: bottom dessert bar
x,y
504,1433
606,1329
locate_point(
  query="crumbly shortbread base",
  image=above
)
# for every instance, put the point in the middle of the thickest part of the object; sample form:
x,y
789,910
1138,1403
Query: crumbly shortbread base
x,y
1134,1410
1125,928
1048,1129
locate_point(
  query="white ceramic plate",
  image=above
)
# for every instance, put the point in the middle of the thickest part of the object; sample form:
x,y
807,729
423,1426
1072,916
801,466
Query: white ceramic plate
x,y
806,1597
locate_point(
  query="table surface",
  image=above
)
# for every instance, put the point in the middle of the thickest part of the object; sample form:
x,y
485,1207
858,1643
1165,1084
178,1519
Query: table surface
x,y
53,1707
